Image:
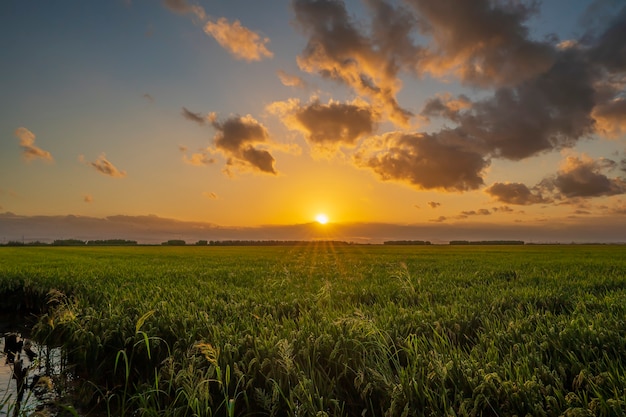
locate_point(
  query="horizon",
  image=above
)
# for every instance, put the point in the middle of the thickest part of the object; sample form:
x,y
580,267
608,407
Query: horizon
x,y
152,229
491,119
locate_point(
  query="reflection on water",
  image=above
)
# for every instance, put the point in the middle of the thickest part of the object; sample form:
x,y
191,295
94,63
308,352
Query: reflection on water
x,y
26,372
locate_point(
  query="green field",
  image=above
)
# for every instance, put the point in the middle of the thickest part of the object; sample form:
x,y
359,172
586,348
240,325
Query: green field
x,y
334,330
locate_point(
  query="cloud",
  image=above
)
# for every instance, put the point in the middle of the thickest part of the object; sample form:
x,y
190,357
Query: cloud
x,y
337,50
439,219
103,166
194,117
582,177
514,193
327,125
503,209
482,42
183,7
148,97
434,204
290,80
238,40
479,212
610,118
88,198
422,160
238,138
30,151
210,196
201,158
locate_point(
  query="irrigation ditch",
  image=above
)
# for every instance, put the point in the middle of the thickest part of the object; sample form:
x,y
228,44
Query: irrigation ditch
x,y
33,374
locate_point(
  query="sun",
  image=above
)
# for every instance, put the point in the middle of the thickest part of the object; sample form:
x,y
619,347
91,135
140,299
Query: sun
x,y
321,218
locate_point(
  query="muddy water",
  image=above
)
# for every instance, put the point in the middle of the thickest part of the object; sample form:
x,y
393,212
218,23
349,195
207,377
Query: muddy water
x,y
34,365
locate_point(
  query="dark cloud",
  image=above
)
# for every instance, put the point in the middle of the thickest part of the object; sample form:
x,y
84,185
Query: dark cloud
x,y
434,204
331,124
503,209
583,177
194,117
514,193
479,212
482,42
238,138
338,50
423,161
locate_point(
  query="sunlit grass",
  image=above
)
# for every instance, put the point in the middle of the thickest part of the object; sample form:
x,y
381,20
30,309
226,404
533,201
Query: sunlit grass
x,y
334,330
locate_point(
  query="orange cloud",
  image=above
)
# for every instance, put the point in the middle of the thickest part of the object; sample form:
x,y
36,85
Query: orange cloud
x,y
29,150
104,166
88,198
290,80
240,41
610,118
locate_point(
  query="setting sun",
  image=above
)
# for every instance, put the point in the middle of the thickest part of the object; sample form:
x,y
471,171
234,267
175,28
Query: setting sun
x,y
321,218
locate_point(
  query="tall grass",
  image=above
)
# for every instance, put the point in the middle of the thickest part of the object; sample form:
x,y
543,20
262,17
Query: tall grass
x,y
334,330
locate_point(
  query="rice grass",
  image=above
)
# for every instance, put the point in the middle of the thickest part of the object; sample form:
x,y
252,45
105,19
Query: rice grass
x,y
318,329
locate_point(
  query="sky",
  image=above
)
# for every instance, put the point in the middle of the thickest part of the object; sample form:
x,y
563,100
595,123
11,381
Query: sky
x,y
397,119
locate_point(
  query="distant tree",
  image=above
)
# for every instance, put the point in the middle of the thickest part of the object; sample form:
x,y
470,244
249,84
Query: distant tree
x,y
202,243
68,242
407,242
174,242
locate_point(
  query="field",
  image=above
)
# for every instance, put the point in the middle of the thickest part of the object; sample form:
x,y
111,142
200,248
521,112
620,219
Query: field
x,y
324,329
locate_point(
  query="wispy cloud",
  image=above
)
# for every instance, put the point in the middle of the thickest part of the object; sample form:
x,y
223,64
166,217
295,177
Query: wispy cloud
x,y
103,166
87,198
240,41
290,80
183,7
148,97
30,151
210,195
194,117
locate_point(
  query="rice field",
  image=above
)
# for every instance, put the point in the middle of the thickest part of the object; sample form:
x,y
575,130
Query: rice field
x,y
330,330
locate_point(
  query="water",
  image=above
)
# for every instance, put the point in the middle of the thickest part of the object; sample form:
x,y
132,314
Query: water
x,y
39,365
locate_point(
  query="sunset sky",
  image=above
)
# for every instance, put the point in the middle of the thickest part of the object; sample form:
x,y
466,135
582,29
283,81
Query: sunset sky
x,y
451,115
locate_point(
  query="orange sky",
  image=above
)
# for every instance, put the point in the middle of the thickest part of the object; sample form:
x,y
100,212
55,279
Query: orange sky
x,y
448,114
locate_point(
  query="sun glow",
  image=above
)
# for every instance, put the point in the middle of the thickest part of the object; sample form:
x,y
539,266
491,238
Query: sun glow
x,y
321,218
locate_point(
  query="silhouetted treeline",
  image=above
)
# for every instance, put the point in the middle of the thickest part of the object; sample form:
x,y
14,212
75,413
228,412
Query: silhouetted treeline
x,y
174,242
112,242
486,242
69,242
407,242
270,242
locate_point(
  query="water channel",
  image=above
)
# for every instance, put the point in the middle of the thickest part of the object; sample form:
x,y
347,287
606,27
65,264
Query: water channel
x,y
27,370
